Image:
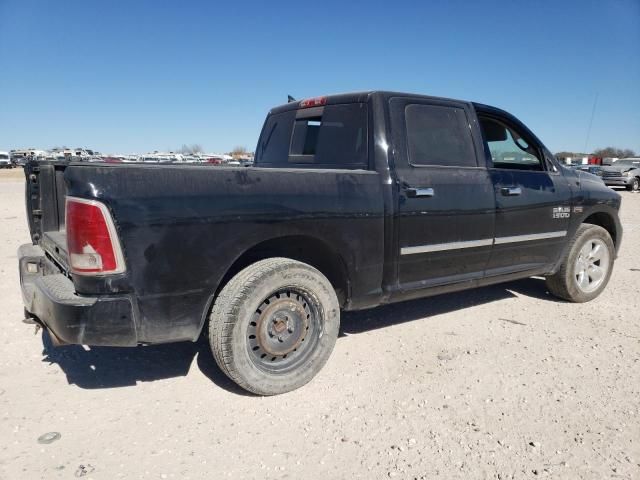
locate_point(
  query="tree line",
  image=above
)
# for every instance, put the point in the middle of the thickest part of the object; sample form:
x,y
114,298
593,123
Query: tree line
x,y
608,152
197,148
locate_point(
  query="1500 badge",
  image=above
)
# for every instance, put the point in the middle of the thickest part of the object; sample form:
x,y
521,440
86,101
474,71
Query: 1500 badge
x,y
561,212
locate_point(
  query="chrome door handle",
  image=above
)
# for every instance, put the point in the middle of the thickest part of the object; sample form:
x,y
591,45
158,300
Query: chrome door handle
x,y
511,191
420,192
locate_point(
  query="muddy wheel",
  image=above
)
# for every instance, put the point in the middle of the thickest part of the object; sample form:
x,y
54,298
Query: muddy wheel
x,y
587,267
274,325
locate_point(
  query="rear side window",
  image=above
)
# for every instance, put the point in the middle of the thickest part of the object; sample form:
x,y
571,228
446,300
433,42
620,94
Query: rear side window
x,y
273,147
334,136
439,135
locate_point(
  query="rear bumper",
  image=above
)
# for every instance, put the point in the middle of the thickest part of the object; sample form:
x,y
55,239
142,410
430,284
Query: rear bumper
x,y
50,296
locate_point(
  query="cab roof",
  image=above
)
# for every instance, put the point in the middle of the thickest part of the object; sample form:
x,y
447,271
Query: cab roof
x,y
352,97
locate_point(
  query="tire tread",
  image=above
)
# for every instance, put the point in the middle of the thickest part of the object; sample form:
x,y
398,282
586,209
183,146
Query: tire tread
x,y
559,283
226,309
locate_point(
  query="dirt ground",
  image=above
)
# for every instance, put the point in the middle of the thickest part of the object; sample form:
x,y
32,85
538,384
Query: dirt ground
x,y
497,383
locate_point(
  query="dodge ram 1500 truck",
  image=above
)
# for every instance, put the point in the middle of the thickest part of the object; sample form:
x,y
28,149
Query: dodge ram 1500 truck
x,y
354,201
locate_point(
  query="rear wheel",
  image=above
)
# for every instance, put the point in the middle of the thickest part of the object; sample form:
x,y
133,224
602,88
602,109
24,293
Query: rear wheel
x,y
587,267
274,325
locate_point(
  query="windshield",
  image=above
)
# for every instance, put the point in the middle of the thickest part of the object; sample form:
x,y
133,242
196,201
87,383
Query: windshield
x,y
627,163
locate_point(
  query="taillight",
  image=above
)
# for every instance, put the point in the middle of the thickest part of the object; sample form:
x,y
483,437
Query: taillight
x,y
92,241
313,102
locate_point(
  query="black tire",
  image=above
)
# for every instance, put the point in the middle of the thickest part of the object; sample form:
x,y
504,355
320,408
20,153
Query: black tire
x,y
635,185
566,283
269,300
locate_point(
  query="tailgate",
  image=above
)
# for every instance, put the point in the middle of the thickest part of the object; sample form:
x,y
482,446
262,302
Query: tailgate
x,y
45,196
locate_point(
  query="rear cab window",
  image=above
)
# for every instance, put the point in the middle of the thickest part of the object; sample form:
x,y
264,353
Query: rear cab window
x,y
330,136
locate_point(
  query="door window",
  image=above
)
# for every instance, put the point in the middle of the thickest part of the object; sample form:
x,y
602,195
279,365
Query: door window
x,y
509,148
438,135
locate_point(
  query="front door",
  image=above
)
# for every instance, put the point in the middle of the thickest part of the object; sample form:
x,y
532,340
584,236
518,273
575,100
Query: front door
x,y
446,203
532,198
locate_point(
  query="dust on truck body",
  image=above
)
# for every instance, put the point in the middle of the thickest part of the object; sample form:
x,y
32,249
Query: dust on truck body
x,y
354,201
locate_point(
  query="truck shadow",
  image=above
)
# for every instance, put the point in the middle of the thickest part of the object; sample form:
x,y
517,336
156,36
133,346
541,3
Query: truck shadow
x,y
112,367
397,313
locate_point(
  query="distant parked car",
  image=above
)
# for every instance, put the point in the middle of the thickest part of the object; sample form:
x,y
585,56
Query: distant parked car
x,y
191,159
5,161
18,159
594,169
623,173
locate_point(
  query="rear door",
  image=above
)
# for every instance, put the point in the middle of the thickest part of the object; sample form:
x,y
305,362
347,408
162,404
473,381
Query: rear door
x,y
446,203
533,198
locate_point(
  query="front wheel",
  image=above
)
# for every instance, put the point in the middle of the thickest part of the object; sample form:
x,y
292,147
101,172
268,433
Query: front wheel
x,y
586,269
635,185
274,325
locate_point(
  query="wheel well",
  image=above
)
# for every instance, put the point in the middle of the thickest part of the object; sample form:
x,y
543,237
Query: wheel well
x,y
309,250
605,221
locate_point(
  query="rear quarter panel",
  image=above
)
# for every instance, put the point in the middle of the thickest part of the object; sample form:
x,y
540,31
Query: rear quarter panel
x,y
182,227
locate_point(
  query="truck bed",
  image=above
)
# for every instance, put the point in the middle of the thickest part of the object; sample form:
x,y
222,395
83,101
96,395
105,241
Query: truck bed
x,y
182,227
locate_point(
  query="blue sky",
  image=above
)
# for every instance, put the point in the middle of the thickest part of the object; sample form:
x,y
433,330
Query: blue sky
x,y
135,76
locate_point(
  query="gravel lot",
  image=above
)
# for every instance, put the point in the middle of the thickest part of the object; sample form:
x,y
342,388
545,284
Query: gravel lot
x,y
500,382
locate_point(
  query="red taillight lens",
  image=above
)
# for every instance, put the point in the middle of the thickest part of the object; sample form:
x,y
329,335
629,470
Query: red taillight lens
x,y
92,241
313,102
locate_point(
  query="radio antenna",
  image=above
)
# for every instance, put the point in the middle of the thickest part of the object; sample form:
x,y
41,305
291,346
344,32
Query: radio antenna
x,y
593,112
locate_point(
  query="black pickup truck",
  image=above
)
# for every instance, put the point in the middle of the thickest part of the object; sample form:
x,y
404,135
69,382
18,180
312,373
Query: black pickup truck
x,y
354,201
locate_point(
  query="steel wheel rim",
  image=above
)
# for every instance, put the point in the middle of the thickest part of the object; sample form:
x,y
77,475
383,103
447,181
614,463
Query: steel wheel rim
x,y
284,330
592,265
